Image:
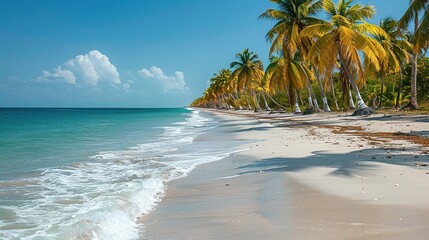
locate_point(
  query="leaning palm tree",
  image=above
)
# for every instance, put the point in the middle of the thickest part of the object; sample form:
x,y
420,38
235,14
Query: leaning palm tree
x,y
289,76
397,50
220,83
420,39
291,17
344,37
247,69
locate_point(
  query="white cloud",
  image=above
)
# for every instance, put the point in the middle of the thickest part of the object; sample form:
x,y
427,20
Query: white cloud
x,y
59,74
88,69
170,83
126,86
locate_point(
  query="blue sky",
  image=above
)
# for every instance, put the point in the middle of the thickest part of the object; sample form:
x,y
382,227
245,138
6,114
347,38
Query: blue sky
x,y
109,53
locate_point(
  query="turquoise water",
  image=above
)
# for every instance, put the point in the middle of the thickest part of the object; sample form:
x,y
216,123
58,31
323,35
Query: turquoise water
x,y
35,138
91,173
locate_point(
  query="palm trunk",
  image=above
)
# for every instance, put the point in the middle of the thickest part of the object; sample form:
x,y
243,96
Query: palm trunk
x,y
247,101
228,106
258,100
288,93
413,101
297,110
361,103
255,101
299,98
237,95
231,97
313,95
310,87
275,102
333,94
225,102
322,91
398,97
310,102
265,102
381,92
352,103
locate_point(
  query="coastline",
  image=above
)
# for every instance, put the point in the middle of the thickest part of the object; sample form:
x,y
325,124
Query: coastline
x,y
303,181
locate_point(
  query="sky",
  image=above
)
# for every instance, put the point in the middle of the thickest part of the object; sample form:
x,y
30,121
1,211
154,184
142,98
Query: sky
x,y
134,53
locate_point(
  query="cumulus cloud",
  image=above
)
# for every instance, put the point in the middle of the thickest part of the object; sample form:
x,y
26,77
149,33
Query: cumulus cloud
x,y
170,83
88,69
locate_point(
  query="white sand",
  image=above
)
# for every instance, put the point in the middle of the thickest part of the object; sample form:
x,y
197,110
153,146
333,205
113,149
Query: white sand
x,y
303,182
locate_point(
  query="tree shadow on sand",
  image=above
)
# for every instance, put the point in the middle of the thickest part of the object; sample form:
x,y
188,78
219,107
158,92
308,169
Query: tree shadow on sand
x,y
342,164
400,118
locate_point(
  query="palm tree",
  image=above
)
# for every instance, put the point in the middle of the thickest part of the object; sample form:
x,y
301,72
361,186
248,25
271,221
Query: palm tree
x,y
292,17
343,38
247,69
397,50
221,83
420,39
421,26
288,75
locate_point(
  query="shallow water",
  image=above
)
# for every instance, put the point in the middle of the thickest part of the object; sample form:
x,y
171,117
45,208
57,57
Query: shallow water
x,y
91,173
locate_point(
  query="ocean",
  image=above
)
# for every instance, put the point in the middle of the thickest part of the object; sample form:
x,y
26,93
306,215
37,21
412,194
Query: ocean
x,y
92,173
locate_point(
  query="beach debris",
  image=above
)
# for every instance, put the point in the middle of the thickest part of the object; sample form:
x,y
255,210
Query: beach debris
x,y
311,110
226,185
396,185
376,199
363,112
261,171
420,164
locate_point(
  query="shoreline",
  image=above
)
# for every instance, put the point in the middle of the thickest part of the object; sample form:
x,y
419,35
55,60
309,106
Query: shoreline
x,y
303,182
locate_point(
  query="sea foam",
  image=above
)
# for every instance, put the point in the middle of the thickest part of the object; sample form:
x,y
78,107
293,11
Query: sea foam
x,y
103,198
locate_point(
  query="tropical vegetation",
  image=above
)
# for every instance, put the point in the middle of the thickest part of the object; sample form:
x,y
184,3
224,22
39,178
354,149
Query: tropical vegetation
x,y
342,60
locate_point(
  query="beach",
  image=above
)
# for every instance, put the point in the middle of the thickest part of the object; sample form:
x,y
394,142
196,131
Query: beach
x,y
321,176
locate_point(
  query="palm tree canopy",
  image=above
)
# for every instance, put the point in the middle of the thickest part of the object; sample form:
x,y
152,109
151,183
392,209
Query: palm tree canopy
x,y
291,16
397,48
248,68
345,36
282,74
421,35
